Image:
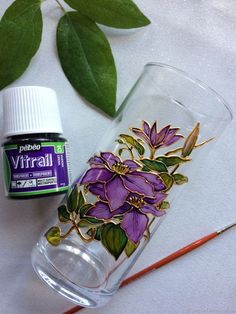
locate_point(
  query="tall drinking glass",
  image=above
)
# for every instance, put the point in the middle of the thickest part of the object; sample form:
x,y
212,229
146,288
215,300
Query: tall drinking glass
x,y
164,127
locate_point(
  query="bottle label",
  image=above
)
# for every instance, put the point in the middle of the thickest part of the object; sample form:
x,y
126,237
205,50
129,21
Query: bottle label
x,y
35,168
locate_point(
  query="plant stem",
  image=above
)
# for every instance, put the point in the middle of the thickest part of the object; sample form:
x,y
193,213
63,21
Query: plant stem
x,y
175,168
176,150
151,222
67,233
152,152
148,227
131,153
203,143
60,5
87,240
130,150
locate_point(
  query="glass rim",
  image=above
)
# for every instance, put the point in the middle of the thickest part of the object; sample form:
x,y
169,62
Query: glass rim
x,y
200,83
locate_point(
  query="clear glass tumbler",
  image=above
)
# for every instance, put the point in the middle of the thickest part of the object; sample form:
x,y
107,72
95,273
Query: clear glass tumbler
x,y
164,127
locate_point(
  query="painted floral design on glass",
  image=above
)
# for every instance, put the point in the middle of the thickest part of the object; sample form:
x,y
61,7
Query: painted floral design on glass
x,y
129,193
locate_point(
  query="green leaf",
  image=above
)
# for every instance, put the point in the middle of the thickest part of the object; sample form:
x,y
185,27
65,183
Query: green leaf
x,y
20,37
133,142
130,248
145,168
114,13
87,60
87,222
83,209
180,178
114,239
119,141
168,180
154,165
165,205
73,199
63,214
97,234
120,151
53,235
81,200
172,160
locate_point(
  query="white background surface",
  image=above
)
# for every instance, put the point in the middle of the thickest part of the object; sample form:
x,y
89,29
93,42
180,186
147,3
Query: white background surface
x,y
199,37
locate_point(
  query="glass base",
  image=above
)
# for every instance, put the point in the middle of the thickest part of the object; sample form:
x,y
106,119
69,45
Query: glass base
x,y
72,272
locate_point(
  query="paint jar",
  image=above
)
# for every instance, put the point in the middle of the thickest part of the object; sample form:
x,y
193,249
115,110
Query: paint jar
x,y
35,155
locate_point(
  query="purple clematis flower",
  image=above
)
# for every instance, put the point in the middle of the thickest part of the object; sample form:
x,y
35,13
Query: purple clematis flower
x,y
113,180
135,210
154,139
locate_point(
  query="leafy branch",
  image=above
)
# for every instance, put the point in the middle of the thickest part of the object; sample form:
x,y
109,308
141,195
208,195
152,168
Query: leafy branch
x,y
84,51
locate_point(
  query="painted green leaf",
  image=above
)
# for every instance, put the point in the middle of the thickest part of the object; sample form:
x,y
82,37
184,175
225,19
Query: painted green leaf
x,y
73,199
53,235
20,37
120,151
172,160
130,248
165,205
81,200
114,239
168,180
84,208
87,60
133,142
145,168
63,214
114,13
180,178
119,141
154,165
87,222
97,234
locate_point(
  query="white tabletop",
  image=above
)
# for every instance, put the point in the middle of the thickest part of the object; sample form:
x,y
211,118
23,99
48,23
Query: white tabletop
x,y
198,36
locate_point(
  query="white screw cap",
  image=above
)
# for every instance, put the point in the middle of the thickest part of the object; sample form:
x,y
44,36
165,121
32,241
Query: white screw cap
x,y
30,110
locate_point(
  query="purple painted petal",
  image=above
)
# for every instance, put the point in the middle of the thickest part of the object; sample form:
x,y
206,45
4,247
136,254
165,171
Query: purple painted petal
x,y
173,140
158,199
162,134
146,128
98,189
115,192
141,134
78,181
138,184
110,158
153,134
152,178
95,160
94,175
100,210
171,133
134,224
132,165
121,210
136,130
149,209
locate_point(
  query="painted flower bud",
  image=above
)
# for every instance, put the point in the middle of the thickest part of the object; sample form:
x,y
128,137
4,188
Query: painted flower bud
x,y
191,141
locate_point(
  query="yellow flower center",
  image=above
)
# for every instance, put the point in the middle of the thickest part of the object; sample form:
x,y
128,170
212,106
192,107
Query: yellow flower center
x,y
120,168
136,201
